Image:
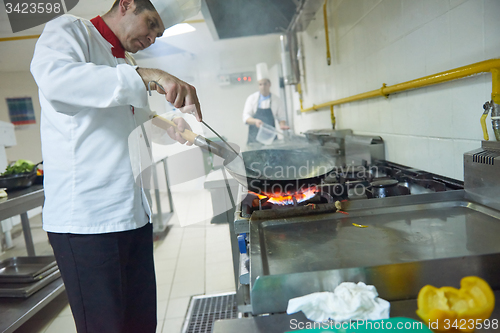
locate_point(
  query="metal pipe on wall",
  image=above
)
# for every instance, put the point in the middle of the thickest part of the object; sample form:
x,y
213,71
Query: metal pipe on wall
x,y
488,66
325,17
495,97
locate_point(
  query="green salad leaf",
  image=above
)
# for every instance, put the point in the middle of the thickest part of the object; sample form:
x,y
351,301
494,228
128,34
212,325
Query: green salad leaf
x,y
20,166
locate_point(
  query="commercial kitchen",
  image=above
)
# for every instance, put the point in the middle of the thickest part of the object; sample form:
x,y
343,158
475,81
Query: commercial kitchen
x,y
393,108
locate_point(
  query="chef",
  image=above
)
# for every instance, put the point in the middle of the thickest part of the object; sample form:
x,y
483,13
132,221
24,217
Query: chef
x,y
92,97
263,107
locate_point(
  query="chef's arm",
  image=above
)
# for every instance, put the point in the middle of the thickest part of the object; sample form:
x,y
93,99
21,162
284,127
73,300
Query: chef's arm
x,y
176,91
254,121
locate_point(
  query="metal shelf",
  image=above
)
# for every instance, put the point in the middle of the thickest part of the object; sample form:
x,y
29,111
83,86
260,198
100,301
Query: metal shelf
x,y
15,311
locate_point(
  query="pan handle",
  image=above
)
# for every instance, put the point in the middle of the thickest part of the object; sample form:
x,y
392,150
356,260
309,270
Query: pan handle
x,y
166,123
194,138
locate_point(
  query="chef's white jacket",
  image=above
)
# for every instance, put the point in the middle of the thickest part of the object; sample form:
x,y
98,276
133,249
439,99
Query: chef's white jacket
x,y
252,102
87,97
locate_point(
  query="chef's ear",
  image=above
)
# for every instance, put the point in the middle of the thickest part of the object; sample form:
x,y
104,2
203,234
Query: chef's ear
x,y
125,5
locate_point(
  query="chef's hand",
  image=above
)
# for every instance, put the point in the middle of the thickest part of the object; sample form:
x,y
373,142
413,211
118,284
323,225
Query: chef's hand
x,y
181,126
284,126
181,94
254,121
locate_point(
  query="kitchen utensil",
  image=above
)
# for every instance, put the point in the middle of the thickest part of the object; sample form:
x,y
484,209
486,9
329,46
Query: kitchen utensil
x,y
282,171
266,134
204,123
229,155
265,171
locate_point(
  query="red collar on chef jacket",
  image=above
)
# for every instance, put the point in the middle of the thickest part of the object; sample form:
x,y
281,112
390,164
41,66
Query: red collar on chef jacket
x,y
117,50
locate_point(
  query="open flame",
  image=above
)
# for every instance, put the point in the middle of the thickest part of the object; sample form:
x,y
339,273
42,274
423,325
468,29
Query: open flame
x,y
288,199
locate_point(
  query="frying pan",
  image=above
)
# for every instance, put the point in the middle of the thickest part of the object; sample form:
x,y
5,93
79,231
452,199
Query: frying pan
x,y
268,172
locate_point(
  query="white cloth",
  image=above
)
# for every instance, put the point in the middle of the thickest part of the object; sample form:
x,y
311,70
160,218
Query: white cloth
x,y
348,301
252,102
86,96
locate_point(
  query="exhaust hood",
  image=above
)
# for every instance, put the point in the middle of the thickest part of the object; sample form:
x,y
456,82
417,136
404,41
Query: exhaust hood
x,y
242,18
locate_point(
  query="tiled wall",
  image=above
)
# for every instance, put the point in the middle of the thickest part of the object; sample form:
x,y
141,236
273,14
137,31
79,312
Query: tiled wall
x,y
392,41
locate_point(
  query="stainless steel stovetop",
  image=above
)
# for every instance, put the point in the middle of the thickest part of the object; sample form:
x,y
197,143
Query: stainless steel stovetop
x,y
396,243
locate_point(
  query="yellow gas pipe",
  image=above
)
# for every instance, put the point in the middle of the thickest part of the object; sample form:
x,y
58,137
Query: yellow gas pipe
x,y
492,66
325,16
332,116
458,73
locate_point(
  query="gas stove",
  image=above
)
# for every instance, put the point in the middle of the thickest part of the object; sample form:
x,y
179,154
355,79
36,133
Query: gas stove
x,y
346,183
378,222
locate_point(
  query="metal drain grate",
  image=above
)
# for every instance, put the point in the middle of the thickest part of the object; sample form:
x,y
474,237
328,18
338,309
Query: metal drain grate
x,y
204,310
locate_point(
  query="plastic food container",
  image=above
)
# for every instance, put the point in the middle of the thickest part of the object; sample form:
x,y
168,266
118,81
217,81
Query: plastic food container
x,y
266,134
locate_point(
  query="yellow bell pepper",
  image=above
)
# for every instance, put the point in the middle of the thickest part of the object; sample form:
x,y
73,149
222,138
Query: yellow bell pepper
x,y
451,309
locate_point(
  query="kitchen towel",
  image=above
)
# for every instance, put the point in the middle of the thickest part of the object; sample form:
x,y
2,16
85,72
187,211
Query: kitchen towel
x,y
348,301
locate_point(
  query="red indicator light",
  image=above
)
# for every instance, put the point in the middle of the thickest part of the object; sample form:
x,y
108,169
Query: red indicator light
x,y
239,79
249,79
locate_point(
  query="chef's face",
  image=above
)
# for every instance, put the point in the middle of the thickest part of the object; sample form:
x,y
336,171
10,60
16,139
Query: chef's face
x,y
264,87
139,30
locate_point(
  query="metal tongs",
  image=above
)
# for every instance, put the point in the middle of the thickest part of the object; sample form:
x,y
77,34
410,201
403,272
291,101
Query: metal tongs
x,y
199,140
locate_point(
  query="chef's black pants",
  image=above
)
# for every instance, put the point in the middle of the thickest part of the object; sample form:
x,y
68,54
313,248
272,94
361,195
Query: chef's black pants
x,y
109,279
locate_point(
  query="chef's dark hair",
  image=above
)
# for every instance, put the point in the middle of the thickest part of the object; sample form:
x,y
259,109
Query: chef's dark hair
x,y
140,5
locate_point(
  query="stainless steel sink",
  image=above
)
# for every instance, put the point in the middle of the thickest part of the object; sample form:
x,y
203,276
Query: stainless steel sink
x,y
409,241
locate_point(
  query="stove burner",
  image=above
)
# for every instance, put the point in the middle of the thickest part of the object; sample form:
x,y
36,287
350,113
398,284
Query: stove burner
x,y
383,183
383,188
380,180
286,199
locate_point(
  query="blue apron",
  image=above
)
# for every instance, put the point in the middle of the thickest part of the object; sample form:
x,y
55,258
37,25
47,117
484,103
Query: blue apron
x,y
266,115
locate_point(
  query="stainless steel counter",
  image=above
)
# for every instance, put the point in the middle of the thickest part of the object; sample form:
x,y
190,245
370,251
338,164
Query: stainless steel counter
x,y
280,323
18,203
409,241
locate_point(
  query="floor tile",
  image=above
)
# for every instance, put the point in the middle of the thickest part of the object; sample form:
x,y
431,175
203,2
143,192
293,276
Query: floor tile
x,y
172,325
187,288
62,324
177,307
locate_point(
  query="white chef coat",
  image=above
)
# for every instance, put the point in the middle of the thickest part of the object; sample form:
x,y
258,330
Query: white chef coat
x,y
252,102
87,97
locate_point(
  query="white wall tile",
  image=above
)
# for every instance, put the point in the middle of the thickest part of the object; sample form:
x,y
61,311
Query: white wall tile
x,y
350,12
441,157
415,55
437,112
413,15
394,65
392,23
455,3
420,154
491,29
436,43
400,112
467,99
466,23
